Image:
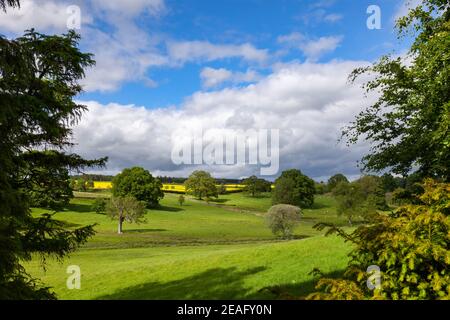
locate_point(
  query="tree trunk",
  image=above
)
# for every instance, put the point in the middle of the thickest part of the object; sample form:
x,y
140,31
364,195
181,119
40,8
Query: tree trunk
x,y
119,230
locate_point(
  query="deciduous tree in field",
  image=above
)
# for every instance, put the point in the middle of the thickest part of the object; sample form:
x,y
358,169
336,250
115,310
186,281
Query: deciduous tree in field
x,y
294,188
99,205
39,79
282,219
126,209
181,200
201,185
254,185
334,180
140,184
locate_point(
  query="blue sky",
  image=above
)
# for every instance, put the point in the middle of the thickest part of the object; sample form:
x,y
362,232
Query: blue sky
x,y
166,66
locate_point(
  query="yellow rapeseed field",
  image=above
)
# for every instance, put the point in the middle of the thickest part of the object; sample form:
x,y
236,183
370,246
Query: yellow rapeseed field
x,y
168,187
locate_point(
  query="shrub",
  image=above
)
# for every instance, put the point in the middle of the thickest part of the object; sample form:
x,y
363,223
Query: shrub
x,y
181,200
282,219
99,206
410,246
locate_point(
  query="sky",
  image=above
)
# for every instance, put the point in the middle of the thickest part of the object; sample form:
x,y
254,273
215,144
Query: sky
x,y
166,67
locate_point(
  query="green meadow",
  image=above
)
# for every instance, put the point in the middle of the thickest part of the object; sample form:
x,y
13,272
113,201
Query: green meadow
x,y
217,250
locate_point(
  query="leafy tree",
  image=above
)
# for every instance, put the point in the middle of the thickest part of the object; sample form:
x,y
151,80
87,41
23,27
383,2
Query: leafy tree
x,y
294,188
39,78
11,3
334,180
221,189
99,205
255,185
372,188
181,199
410,246
201,185
138,183
49,187
352,202
89,184
282,219
408,125
389,183
126,209
359,199
320,187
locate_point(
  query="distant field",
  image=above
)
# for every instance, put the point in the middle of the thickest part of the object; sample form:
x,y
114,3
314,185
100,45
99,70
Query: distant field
x,y
167,187
197,251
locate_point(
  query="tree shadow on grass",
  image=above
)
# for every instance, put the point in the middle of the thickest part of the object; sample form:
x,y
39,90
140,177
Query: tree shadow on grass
x,y
143,230
79,207
295,291
216,283
220,200
317,205
169,209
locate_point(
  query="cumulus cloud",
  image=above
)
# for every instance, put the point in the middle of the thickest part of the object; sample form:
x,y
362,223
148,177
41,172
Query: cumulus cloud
x,y
131,7
314,48
39,14
124,51
307,102
188,51
212,77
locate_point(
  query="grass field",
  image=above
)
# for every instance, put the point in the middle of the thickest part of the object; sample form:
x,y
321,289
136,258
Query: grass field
x,y
221,250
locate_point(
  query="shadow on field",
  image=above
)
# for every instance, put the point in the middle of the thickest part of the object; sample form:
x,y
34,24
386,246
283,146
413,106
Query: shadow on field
x,y
217,283
295,291
143,230
317,205
169,209
78,207
220,200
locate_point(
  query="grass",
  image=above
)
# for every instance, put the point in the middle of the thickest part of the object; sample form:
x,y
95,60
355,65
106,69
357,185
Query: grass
x,y
195,251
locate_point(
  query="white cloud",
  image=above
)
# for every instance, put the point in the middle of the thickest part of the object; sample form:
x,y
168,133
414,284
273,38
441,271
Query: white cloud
x,y
313,49
39,14
120,58
188,51
123,50
308,103
130,7
333,17
214,77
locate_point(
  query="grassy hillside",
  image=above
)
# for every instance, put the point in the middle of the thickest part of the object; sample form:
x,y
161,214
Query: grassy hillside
x,y
196,251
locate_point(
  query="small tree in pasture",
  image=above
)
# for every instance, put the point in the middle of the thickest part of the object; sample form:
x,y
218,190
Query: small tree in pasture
x,y
335,180
126,209
294,188
282,218
181,200
254,185
201,185
99,205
